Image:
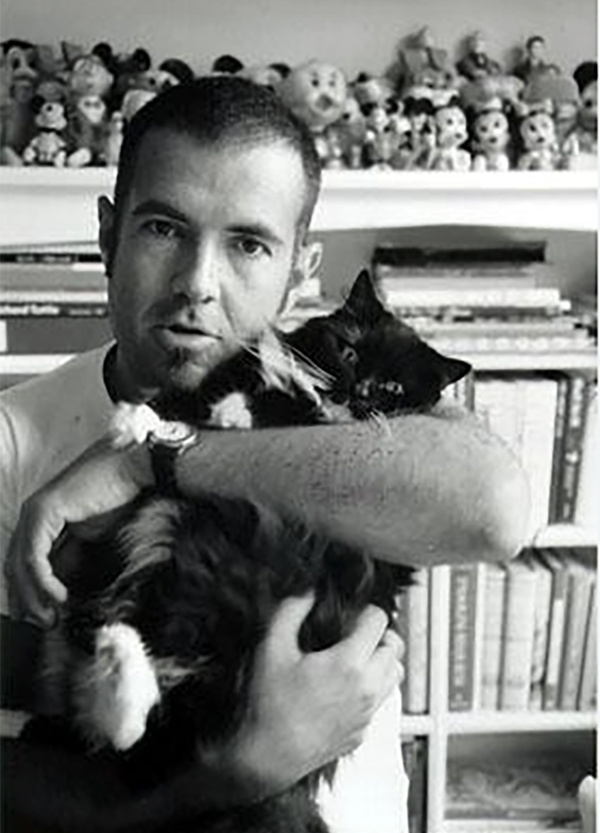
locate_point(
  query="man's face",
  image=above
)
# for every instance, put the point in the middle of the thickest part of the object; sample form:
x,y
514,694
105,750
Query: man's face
x,y
205,247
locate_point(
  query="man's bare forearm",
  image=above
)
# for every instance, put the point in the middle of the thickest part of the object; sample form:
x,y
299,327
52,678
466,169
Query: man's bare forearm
x,y
422,489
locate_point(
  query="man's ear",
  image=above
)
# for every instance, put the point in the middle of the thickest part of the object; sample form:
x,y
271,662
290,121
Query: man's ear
x,y
307,262
107,233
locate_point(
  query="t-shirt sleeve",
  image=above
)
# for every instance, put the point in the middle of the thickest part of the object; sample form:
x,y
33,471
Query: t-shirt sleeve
x,y
370,789
10,494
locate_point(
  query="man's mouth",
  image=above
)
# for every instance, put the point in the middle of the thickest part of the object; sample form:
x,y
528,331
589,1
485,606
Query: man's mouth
x,y
185,335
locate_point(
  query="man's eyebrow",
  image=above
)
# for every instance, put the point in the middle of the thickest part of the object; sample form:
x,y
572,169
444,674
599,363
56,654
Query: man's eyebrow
x,y
257,230
158,207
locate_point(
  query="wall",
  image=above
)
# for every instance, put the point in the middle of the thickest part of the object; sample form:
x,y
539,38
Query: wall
x,y
361,34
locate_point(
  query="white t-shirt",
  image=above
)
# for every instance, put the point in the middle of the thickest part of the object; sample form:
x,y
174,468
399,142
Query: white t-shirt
x,y
47,423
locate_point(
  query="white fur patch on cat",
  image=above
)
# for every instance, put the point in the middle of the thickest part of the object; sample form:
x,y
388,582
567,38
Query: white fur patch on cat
x,y
231,412
131,424
117,690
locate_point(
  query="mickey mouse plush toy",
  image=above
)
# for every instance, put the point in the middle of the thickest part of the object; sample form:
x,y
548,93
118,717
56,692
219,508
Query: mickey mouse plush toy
x,y
49,146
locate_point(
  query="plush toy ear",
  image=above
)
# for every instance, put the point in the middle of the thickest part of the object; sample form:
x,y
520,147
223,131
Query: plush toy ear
x,y
117,689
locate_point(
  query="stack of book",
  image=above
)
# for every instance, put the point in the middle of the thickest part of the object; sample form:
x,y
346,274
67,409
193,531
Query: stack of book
x,y
40,285
479,299
521,635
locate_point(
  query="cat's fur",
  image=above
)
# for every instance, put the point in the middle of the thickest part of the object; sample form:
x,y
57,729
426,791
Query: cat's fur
x,y
181,597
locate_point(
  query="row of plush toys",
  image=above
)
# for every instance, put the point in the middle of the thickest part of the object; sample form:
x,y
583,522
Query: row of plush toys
x,y
70,109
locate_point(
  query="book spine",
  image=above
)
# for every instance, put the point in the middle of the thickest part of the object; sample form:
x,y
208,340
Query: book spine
x,y
543,600
461,636
494,595
588,689
587,501
536,298
49,309
415,762
562,394
515,253
518,635
539,397
557,630
576,619
417,644
572,448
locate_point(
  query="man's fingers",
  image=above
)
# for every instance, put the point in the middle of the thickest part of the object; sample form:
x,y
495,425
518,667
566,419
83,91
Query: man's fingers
x,y
366,636
283,632
385,673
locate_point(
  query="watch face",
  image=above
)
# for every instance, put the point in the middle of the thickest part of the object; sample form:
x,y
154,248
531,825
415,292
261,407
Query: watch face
x,y
175,434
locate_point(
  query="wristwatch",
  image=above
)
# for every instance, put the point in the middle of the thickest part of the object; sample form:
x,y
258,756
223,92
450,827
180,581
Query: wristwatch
x,y
167,442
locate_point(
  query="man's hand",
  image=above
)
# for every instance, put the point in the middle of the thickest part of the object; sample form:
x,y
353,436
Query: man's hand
x,y
99,482
308,709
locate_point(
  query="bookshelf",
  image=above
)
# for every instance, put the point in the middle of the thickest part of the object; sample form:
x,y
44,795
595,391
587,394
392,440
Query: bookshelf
x,y
42,206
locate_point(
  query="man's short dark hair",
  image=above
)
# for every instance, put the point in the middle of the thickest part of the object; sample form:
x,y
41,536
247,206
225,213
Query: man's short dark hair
x,y
215,110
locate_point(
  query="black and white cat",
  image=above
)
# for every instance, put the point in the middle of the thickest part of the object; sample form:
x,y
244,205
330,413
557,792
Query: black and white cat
x,y
162,631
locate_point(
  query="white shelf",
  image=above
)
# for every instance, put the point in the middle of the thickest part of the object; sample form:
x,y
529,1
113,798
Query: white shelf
x,y
565,535
42,205
499,722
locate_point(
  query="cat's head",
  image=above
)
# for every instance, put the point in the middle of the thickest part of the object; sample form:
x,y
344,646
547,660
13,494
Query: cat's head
x,y
386,366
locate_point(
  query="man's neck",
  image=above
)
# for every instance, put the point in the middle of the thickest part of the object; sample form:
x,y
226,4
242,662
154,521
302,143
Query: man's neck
x,y
118,383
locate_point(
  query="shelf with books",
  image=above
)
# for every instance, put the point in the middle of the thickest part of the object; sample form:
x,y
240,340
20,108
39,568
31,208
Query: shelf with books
x,y
40,203
499,722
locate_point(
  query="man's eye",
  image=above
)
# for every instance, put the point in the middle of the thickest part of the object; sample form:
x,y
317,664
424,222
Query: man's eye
x,y
251,247
163,229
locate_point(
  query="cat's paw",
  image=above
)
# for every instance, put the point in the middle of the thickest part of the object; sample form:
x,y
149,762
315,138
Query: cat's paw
x,y
231,412
117,689
131,424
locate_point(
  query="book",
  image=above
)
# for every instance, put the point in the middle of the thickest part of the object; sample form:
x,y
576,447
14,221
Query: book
x,y
493,617
517,635
536,404
579,583
540,298
562,395
587,699
587,499
542,609
462,620
415,603
45,335
510,253
575,418
414,754
556,633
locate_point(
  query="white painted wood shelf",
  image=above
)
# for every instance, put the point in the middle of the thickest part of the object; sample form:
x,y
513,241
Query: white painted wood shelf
x,y
37,205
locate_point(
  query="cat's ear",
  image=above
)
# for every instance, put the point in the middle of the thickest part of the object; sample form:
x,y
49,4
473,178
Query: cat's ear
x,y
363,301
451,370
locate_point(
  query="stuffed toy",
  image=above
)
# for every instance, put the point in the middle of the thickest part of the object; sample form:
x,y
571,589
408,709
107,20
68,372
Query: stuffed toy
x,y
451,134
89,76
49,146
267,75
369,89
114,139
383,136
535,60
477,95
425,64
491,138
476,63
586,78
144,86
316,93
88,129
347,137
18,78
538,135
418,152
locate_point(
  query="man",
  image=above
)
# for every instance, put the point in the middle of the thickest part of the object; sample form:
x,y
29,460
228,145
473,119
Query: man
x,y
206,237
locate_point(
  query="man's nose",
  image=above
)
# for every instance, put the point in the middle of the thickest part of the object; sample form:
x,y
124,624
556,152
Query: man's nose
x,y
198,274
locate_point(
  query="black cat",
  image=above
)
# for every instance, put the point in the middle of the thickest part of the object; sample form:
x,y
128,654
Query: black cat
x,y
359,361
163,629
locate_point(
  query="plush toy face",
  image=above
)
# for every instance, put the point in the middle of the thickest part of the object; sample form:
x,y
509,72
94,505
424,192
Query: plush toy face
x,y
92,107
316,93
537,131
451,126
89,76
51,116
588,114
491,130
